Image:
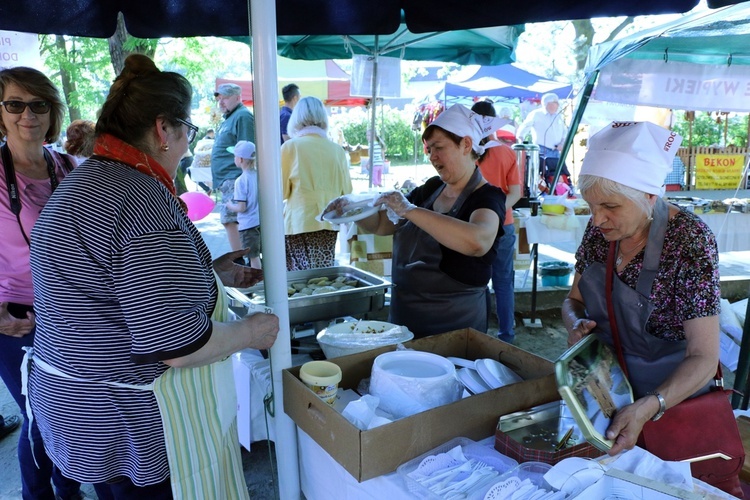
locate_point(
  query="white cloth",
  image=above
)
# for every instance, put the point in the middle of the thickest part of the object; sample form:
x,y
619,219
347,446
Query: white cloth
x,y
464,122
635,154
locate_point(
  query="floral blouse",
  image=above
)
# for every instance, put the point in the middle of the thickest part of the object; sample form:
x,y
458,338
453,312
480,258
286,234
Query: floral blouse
x,y
687,284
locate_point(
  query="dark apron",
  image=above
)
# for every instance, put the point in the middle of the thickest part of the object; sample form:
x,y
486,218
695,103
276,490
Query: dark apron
x,y
425,299
649,360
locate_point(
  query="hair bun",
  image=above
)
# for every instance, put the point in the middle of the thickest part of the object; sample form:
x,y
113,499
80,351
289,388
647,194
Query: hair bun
x,y
137,65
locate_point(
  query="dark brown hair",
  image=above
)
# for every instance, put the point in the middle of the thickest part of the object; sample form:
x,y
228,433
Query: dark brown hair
x,y
35,82
141,94
450,135
80,138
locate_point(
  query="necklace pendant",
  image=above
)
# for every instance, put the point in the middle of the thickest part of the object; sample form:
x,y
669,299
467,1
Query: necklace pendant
x,y
618,261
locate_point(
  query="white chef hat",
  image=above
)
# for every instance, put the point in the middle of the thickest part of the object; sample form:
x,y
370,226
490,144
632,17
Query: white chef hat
x,y
635,154
463,122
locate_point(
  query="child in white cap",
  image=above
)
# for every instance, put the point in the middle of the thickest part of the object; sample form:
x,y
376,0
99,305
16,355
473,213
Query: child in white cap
x,y
659,266
245,200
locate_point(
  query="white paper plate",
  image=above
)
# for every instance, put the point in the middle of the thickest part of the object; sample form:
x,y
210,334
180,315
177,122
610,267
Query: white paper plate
x,y
471,380
496,374
354,212
464,363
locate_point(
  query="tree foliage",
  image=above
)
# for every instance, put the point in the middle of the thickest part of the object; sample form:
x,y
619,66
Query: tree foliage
x,y
393,126
708,129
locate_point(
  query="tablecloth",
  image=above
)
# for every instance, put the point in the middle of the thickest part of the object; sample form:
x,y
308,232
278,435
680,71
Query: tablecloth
x,y
732,229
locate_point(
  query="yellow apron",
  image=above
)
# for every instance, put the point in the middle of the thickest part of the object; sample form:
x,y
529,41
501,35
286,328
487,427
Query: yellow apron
x,y
199,413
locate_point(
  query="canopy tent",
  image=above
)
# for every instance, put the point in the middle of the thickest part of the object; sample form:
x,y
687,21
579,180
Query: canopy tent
x,y
474,46
700,62
164,18
506,82
157,18
322,79
697,62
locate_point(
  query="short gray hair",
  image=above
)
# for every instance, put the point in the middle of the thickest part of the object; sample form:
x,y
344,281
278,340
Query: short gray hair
x,y
309,112
608,187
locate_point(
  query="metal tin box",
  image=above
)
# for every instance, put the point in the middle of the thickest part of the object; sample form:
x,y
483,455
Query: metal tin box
x,y
367,296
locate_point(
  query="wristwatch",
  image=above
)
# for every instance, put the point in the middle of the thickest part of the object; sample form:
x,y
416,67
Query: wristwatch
x,y
662,405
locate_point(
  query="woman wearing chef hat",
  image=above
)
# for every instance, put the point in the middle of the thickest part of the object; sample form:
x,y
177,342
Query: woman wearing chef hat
x,y
445,232
665,291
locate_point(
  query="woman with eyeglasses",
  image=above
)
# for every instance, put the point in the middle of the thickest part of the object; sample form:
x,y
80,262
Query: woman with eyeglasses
x,y
130,379
31,112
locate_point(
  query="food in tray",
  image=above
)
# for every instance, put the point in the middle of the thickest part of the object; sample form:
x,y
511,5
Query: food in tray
x,y
320,285
354,211
369,328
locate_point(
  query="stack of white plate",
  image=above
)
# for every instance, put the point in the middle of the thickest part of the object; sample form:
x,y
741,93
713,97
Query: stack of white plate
x,y
483,374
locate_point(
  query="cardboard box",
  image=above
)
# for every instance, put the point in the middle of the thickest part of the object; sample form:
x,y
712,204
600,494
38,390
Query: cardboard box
x,y
372,453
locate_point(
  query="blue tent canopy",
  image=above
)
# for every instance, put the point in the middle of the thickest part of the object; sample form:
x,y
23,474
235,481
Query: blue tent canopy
x,y
504,82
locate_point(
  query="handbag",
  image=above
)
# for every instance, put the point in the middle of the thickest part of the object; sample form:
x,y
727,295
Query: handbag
x,y
701,430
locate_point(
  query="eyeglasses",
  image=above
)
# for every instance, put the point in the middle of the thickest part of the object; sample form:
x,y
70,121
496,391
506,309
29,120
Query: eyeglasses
x,y
192,129
18,107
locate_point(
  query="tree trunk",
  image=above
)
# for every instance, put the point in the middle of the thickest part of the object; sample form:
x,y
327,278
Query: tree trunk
x,y
121,45
68,84
585,31
584,39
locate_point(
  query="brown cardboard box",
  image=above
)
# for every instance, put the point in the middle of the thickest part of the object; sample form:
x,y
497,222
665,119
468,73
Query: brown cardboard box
x,y
372,453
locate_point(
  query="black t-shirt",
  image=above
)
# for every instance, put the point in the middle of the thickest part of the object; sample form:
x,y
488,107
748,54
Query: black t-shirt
x,y
473,271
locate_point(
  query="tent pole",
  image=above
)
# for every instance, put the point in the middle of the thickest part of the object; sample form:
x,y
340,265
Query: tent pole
x,y
576,120
373,111
263,30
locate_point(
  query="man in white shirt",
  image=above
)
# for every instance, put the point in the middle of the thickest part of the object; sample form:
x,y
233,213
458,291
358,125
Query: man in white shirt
x,y
548,131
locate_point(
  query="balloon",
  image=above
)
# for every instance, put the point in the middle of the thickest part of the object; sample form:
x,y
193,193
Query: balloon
x,y
199,204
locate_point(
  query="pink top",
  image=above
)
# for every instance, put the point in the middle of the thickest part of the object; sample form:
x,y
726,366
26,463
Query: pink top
x,y
15,272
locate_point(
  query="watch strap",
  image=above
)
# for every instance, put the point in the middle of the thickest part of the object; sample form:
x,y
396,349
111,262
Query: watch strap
x,y
662,405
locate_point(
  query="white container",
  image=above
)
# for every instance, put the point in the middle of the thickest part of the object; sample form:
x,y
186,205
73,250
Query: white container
x,y
409,382
350,337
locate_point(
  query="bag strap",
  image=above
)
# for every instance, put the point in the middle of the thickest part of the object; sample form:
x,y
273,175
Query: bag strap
x,y
609,281
12,183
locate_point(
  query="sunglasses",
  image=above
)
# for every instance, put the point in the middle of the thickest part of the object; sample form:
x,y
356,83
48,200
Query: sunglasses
x,y
18,107
192,129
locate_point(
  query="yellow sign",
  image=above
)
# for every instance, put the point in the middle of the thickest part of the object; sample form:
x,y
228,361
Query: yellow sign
x,y
718,171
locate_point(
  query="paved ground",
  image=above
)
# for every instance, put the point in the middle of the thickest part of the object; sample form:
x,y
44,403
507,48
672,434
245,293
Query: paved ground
x,y
259,463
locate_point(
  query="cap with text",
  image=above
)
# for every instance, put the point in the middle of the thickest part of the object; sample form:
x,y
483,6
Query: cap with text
x,y
634,154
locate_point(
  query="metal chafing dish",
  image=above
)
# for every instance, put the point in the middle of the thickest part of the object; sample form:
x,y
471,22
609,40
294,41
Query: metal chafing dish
x,y
367,296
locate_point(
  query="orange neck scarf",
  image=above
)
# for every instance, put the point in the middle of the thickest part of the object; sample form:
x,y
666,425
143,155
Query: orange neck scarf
x,y
113,148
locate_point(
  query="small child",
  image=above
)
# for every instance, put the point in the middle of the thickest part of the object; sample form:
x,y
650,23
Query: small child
x,y
245,201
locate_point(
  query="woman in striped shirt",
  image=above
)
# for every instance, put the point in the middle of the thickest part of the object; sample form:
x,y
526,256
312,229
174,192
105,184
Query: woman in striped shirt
x,y
126,377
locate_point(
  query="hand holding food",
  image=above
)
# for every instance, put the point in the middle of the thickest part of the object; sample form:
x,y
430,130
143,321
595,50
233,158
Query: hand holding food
x,y
338,205
396,201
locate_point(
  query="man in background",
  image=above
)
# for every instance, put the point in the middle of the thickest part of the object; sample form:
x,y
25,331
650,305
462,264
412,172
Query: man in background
x,y
238,125
291,95
548,131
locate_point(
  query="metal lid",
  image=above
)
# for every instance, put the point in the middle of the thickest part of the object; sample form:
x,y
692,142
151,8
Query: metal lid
x,y
525,147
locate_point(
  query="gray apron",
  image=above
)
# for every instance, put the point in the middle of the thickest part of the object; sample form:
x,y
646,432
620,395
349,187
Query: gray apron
x,y
425,299
649,360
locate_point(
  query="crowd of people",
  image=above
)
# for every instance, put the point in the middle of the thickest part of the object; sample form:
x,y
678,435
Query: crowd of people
x,y
118,307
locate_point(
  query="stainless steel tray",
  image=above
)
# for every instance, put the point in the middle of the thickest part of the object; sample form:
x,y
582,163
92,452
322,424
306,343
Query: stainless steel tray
x,y
368,296
541,427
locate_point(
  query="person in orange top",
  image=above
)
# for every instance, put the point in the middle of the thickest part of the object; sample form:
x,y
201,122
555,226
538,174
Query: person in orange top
x,y
499,167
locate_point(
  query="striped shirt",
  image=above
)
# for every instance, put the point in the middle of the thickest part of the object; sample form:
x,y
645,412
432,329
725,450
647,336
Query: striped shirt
x,y
123,281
